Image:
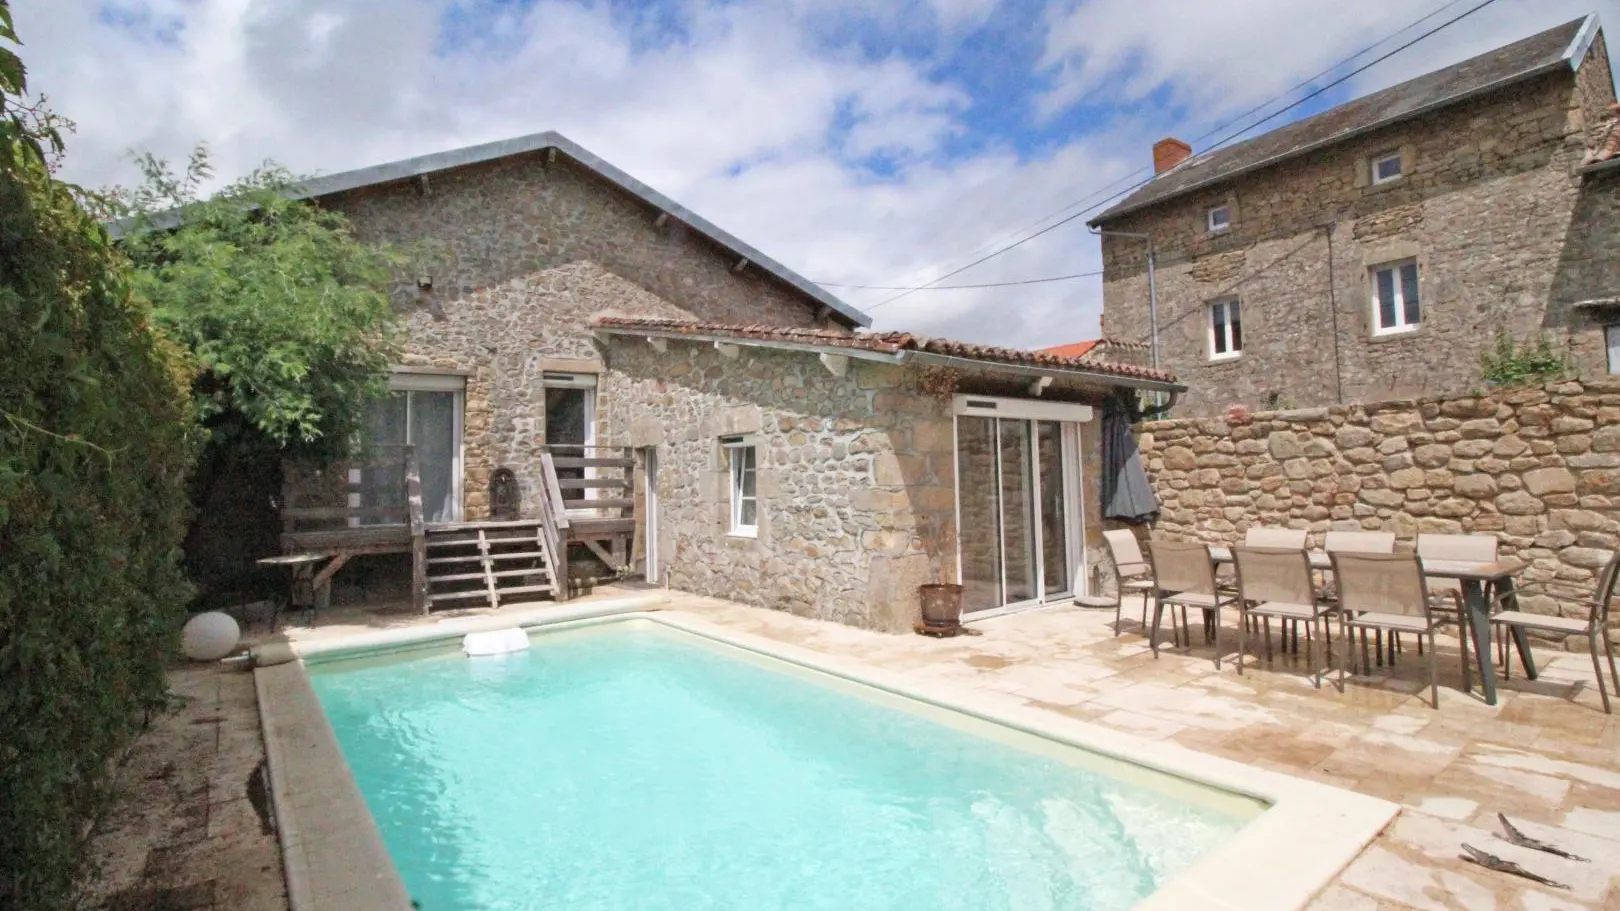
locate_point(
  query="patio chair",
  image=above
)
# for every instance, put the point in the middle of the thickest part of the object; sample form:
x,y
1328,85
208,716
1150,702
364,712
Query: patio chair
x,y
1594,627
1463,549
1359,542
1184,576
1264,536
1135,575
1277,582
1385,592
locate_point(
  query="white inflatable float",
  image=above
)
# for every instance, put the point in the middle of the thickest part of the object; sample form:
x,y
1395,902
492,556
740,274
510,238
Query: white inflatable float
x,y
495,642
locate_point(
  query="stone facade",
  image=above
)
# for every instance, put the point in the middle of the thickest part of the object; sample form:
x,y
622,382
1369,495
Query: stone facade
x,y
856,481
519,254
1539,468
1506,235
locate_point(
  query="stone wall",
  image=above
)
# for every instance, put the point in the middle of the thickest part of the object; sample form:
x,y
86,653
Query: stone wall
x,y
856,483
1539,468
520,255
1505,234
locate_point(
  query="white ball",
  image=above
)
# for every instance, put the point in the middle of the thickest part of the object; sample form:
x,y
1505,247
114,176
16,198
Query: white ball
x,y
210,636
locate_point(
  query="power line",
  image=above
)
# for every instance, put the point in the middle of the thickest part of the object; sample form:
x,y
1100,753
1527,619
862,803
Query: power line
x,y
1272,116
1026,281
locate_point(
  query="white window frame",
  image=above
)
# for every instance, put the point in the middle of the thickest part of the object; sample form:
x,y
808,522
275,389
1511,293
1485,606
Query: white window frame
x,y
1209,219
1401,325
1611,342
1376,160
408,382
1225,332
735,468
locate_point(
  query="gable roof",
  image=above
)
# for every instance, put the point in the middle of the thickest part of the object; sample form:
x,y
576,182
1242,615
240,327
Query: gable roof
x,y
894,347
1556,48
422,165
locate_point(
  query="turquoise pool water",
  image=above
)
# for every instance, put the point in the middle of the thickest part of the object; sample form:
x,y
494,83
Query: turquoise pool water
x,y
630,767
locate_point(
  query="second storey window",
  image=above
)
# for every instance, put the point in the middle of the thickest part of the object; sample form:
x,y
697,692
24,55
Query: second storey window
x,y
1396,305
1387,167
1220,219
1225,329
743,466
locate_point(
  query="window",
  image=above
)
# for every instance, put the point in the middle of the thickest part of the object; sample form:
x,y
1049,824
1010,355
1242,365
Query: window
x,y
1386,167
743,466
1225,330
1611,337
1220,219
1395,298
424,411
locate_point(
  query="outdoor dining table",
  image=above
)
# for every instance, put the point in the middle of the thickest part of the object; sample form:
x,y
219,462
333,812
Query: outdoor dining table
x,y
1477,580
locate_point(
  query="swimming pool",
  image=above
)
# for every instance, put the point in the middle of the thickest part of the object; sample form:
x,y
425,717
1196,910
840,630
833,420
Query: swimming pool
x,y
630,765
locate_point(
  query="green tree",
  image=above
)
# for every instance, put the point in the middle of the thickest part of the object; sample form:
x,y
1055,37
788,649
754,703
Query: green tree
x,y
286,313
93,454
289,324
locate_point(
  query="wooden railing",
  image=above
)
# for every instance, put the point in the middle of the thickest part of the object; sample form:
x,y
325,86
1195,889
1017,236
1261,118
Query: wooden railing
x,y
554,525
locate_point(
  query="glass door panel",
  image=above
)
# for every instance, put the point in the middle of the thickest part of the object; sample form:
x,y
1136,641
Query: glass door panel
x,y
979,513
1054,515
433,432
383,485
1018,506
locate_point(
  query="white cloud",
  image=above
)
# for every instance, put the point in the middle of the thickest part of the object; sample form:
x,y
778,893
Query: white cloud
x,y
761,116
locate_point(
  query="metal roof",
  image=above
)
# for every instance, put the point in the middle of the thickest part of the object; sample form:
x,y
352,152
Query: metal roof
x,y
406,169
1549,51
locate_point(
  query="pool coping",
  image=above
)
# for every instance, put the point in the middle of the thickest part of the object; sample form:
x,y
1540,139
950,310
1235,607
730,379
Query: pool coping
x,y
1277,862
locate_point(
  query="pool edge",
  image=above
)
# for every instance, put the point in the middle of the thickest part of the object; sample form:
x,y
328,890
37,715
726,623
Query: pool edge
x,y
1277,862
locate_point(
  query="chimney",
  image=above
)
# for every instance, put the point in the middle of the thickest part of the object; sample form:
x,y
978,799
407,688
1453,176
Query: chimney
x,y
1169,152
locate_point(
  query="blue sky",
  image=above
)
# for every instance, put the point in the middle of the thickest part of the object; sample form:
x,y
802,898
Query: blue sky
x,y
879,142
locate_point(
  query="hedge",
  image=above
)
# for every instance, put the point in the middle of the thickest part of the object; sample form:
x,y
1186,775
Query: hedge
x,y
93,453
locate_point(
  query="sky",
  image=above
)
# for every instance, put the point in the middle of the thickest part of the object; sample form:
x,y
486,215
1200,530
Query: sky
x,y
859,142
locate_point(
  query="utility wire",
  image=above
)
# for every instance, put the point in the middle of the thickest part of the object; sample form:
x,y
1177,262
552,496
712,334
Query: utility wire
x,y
1025,281
1272,116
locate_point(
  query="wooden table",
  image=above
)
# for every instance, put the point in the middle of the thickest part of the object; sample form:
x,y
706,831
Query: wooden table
x,y
1477,580
302,590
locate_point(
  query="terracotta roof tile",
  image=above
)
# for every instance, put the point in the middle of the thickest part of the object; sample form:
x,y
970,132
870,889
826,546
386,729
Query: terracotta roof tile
x,y
883,343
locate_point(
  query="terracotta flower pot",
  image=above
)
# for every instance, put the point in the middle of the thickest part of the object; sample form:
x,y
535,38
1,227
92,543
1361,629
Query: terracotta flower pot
x,y
941,604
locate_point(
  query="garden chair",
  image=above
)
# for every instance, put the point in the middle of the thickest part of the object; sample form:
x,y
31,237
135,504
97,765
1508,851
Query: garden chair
x,y
1184,576
1264,536
1359,542
1385,592
1277,582
1462,549
1594,626
1135,575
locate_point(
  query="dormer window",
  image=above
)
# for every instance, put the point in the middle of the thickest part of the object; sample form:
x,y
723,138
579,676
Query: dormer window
x,y
1220,219
1387,167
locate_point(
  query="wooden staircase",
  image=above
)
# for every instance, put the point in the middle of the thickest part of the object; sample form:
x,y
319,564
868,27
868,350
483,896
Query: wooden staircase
x,y
491,563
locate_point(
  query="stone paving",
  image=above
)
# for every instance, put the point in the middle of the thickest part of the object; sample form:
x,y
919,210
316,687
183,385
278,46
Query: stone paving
x,y
192,828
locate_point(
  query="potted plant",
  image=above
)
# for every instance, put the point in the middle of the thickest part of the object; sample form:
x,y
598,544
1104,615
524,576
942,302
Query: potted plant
x,y
941,600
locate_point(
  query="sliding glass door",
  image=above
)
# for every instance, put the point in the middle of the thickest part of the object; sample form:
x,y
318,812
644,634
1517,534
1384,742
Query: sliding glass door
x,y
1017,505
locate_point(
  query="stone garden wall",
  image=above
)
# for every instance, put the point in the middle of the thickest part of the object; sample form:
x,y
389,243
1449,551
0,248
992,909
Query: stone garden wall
x,y
1539,468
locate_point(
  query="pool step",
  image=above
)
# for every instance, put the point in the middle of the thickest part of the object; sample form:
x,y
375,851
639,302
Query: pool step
x,y
465,557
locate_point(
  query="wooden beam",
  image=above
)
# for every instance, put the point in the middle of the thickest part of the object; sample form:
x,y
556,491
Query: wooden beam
x,y
1039,386
836,364
727,350
741,265
661,220
661,345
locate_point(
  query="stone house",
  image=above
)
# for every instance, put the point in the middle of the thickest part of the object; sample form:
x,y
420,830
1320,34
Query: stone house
x,y
773,453
1375,250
